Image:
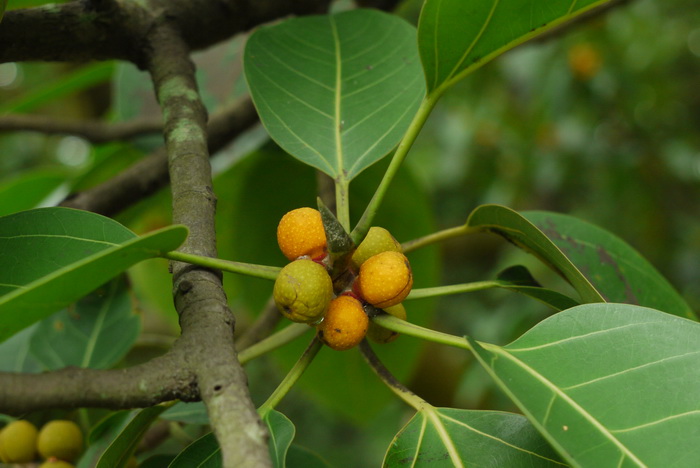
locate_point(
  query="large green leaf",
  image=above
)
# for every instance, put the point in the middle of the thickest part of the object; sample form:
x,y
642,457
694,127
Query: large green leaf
x,y
53,256
96,332
337,91
26,191
3,5
617,270
281,435
607,384
191,413
521,232
122,447
15,355
455,37
202,453
446,437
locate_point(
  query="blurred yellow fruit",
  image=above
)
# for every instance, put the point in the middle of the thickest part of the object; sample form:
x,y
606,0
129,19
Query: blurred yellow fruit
x,y
376,241
382,335
18,442
584,61
60,439
300,232
385,279
345,323
303,289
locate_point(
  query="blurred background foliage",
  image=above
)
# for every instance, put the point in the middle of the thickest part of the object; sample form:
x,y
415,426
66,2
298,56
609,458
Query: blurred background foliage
x,y
600,122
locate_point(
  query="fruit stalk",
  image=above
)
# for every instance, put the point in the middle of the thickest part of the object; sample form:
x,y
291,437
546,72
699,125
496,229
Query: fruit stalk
x,y
291,378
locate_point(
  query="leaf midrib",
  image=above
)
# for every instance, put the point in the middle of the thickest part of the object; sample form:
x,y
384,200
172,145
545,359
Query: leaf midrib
x,y
498,351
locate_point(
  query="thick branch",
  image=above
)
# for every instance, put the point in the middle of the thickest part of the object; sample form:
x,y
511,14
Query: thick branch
x,y
79,31
199,298
161,379
150,174
95,131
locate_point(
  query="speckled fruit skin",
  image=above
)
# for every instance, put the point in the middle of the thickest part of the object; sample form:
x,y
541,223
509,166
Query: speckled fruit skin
x,y
384,280
376,241
345,324
382,335
18,442
300,232
61,439
303,289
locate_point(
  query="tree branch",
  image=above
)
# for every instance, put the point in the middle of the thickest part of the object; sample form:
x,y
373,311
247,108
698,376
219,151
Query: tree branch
x,y
151,173
206,321
95,131
80,31
161,379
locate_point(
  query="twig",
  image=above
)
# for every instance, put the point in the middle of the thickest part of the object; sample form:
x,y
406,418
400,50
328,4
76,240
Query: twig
x,y
261,327
206,321
151,173
94,131
77,31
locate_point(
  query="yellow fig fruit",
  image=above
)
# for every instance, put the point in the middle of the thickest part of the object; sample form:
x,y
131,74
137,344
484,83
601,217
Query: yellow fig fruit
x,y
303,289
382,335
345,323
384,280
60,439
18,442
376,241
300,232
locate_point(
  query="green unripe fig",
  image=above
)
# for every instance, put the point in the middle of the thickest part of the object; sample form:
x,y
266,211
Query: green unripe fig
x,y
56,463
302,291
18,442
383,335
60,439
376,241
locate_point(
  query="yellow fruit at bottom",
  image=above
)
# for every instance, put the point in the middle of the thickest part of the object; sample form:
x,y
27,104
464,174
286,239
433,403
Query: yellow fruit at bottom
x,y
345,323
385,279
300,232
303,289
376,241
56,463
383,335
60,439
18,442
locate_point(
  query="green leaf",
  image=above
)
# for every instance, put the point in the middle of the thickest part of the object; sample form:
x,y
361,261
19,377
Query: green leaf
x,y
281,435
122,448
101,436
82,78
616,269
518,279
437,437
202,453
26,191
456,37
607,384
521,232
190,413
54,256
15,355
96,332
339,91
301,457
